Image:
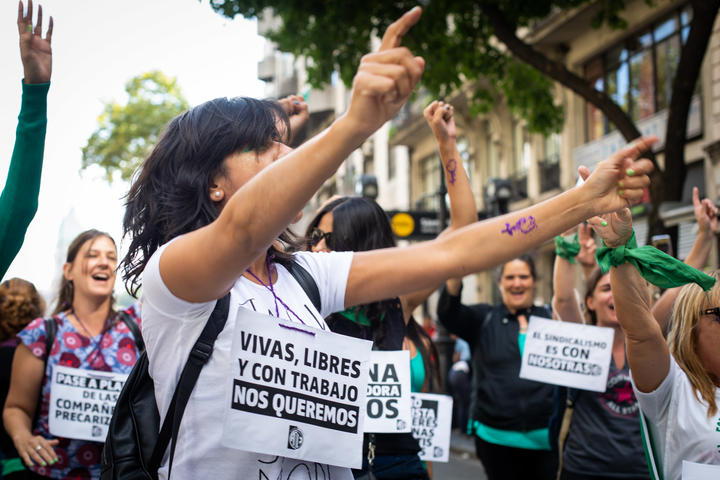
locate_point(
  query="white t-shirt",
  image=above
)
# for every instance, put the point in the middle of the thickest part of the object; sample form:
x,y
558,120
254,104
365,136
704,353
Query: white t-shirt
x,y
170,328
680,427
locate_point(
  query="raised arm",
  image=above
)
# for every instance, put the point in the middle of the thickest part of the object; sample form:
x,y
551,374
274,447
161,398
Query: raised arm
x,y
390,272
203,265
706,216
647,351
19,199
463,211
565,302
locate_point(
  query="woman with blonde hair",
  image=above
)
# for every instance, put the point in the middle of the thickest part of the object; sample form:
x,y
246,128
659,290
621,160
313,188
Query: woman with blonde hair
x,y
676,382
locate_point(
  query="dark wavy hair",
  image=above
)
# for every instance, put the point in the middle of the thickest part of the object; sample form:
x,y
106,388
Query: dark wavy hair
x,y
20,303
169,197
360,225
590,284
66,291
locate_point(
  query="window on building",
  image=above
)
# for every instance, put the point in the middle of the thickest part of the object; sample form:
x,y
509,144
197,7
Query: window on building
x,y
391,162
521,148
638,72
430,180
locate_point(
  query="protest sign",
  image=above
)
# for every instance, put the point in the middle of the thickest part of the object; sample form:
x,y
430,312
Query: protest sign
x,y
697,471
82,402
388,393
296,391
431,425
568,354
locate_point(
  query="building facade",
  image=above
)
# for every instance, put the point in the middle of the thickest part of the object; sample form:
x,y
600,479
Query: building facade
x,y
635,66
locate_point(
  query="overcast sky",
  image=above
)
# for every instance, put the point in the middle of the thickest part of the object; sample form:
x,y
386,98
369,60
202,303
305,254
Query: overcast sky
x,y
97,46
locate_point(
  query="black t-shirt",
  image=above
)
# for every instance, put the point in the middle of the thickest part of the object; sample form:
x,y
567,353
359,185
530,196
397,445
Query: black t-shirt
x,y
604,436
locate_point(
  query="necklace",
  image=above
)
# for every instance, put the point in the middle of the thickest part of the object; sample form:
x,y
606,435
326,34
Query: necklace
x,y
93,353
272,290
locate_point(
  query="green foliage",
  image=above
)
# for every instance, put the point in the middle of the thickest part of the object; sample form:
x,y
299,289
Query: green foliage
x,y
127,133
453,36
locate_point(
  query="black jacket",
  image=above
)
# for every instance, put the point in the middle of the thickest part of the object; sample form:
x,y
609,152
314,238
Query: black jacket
x,y
501,399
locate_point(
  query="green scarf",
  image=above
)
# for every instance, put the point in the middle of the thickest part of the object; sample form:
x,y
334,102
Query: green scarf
x,y
356,315
655,266
567,249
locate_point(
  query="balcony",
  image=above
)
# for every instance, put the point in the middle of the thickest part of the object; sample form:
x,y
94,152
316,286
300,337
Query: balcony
x,y
266,69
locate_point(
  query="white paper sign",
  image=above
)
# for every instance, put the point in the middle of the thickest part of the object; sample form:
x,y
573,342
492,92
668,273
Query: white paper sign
x,y
431,425
388,393
82,402
568,354
697,471
296,391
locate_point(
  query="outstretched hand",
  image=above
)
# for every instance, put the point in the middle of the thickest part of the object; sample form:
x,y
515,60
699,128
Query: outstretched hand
x,y
35,51
386,78
619,181
588,247
706,214
440,116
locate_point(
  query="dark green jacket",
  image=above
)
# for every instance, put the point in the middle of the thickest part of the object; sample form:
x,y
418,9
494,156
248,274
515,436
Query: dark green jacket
x,y
19,199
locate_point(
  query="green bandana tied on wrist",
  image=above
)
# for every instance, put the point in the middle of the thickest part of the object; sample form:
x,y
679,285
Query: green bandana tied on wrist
x,y
567,249
655,266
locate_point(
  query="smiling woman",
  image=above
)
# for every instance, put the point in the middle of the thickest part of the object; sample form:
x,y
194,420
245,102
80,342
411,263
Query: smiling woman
x,y
504,432
89,335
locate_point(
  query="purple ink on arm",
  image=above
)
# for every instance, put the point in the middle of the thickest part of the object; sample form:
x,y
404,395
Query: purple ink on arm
x,y
525,225
450,167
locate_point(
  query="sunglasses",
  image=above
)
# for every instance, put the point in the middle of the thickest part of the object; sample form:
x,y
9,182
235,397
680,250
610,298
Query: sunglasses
x,y
317,235
715,311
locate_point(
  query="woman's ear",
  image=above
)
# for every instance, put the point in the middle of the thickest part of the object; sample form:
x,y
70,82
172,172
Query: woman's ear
x,y
590,303
216,193
67,266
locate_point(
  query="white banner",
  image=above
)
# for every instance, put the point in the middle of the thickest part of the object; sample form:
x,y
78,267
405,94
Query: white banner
x,y
568,354
388,393
296,391
697,471
431,425
82,402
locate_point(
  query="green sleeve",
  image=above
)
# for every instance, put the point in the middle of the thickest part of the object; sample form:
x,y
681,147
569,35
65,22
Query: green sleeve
x,y
19,199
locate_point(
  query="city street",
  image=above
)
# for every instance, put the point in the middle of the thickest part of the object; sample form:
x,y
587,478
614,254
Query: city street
x,y
462,466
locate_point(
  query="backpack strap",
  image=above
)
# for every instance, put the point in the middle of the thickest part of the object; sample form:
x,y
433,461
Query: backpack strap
x,y
307,282
572,395
50,333
134,329
199,355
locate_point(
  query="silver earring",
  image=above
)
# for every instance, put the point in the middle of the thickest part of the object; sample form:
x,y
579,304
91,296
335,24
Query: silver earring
x,y
217,194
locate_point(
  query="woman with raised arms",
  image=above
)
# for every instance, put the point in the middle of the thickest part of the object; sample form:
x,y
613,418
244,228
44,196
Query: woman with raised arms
x,y
219,189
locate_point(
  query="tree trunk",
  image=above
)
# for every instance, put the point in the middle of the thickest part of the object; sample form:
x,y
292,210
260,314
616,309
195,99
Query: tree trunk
x,y
688,71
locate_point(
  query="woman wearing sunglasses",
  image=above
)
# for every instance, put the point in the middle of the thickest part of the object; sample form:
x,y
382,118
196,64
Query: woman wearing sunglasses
x,y
677,383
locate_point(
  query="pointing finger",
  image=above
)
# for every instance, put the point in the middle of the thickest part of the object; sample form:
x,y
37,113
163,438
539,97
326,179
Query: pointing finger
x,y
397,30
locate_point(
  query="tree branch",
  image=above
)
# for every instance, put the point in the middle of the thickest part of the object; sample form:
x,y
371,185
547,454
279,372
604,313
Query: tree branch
x,y
505,32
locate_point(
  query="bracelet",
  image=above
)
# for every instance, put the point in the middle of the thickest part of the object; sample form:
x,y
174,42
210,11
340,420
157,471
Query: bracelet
x,y
567,249
655,266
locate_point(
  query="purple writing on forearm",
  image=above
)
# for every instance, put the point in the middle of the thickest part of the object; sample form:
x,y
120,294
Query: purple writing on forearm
x,y
524,225
450,167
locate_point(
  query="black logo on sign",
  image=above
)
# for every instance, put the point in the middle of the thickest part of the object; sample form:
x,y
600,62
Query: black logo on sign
x,y
295,438
96,431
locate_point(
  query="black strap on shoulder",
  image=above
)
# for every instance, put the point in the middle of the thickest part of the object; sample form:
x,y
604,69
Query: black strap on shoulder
x,y
307,282
135,330
199,355
50,333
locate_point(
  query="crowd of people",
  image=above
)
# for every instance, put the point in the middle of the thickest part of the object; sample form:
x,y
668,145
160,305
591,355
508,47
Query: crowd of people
x,y
207,225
